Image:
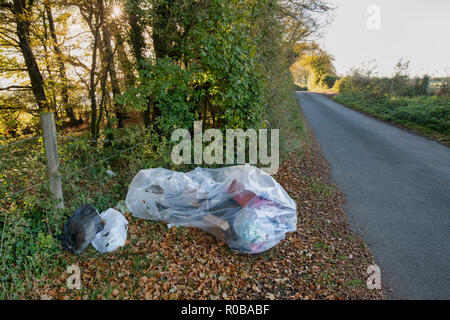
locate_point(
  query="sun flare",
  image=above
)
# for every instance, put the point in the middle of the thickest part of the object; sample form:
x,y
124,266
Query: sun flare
x,y
116,12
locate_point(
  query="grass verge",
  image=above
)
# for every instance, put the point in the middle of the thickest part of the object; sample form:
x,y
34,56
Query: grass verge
x,y
428,115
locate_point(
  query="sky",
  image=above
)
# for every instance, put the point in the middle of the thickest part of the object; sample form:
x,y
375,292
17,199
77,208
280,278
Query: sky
x,y
416,30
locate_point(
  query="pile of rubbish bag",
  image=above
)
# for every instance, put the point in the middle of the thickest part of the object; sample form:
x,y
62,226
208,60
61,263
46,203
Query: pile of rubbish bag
x,y
241,205
106,231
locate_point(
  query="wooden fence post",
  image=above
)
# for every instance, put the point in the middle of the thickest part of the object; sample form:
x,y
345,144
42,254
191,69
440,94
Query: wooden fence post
x,y
51,153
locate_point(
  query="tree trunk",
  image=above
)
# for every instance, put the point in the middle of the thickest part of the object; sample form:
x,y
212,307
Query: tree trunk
x,y
92,93
136,34
62,68
37,82
125,63
138,46
109,56
160,42
47,65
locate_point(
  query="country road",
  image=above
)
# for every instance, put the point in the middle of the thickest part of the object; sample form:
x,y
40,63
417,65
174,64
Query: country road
x,y
397,189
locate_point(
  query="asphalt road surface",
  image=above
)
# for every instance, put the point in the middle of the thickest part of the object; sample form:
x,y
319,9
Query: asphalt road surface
x,y
397,188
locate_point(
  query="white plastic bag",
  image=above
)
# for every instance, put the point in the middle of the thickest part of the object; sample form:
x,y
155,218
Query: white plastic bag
x,y
114,234
241,205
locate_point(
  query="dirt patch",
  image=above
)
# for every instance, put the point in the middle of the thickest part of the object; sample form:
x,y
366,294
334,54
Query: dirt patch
x,y
329,95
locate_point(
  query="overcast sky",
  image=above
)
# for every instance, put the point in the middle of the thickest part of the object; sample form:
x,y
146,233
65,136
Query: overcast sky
x,y
417,30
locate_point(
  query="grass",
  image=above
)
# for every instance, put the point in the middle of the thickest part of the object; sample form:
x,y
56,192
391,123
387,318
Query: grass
x,y
321,187
298,87
29,224
429,115
284,115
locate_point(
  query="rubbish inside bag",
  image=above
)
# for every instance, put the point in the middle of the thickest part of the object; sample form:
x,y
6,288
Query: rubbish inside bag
x,y
81,228
241,205
114,235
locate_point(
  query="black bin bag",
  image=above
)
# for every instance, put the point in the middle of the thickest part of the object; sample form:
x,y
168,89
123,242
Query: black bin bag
x,y
80,229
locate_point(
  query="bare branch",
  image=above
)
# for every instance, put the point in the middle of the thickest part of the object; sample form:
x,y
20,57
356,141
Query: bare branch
x,y
13,69
76,62
5,5
18,88
5,38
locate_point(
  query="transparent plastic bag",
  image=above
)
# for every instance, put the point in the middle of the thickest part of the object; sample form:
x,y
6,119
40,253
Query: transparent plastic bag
x,y
241,205
114,234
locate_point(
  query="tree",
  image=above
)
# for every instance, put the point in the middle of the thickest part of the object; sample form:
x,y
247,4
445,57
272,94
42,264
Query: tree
x,y
21,17
299,18
93,14
137,43
126,66
223,62
319,63
62,68
108,57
